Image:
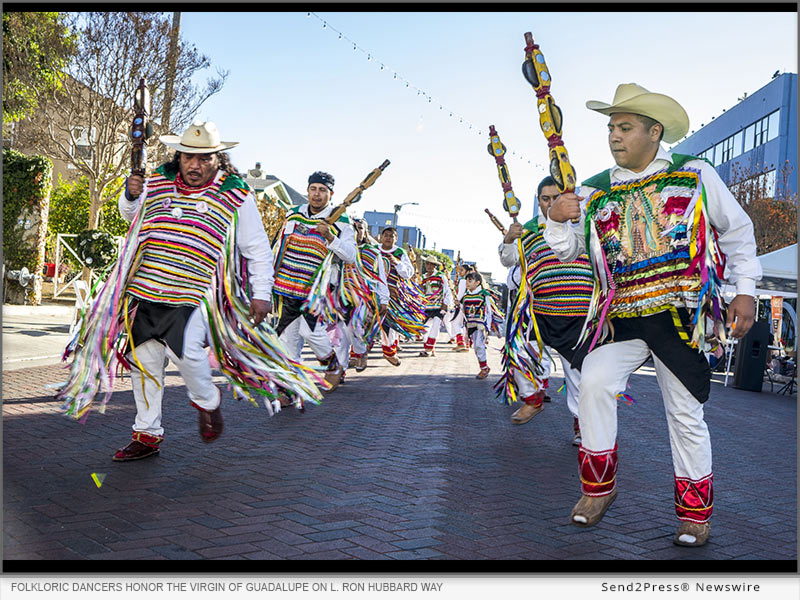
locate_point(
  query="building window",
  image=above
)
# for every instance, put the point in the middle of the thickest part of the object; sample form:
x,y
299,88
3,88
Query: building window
x,y
760,134
748,138
388,222
774,123
718,160
737,144
405,235
727,149
82,148
708,154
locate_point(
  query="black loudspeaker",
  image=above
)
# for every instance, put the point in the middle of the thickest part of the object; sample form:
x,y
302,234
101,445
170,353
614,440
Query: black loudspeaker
x,y
751,358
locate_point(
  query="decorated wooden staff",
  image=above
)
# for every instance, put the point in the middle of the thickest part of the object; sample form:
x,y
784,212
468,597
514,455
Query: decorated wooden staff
x,y
497,150
355,195
141,129
496,222
550,118
320,300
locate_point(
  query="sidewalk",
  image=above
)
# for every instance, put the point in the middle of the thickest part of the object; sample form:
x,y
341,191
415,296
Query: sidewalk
x,y
414,462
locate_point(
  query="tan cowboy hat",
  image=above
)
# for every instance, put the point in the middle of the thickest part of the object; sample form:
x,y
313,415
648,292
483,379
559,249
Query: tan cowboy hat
x,y
633,98
431,259
199,138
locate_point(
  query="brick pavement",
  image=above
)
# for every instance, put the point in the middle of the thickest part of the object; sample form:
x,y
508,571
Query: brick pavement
x,y
415,462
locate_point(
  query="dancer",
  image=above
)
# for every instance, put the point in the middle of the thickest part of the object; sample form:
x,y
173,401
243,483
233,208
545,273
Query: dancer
x,y
560,294
659,226
301,247
176,287
404,314
437,300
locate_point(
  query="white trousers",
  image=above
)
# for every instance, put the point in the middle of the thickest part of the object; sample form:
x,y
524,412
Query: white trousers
x,y
525,387
194,369
434,328
478,338
605,373
572,381
299,332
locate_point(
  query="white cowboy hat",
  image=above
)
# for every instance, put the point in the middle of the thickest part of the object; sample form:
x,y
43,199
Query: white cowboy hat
x,y
199,138
633,98
431,259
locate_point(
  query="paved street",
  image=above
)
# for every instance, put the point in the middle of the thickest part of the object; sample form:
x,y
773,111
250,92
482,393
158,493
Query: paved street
x,y
415,462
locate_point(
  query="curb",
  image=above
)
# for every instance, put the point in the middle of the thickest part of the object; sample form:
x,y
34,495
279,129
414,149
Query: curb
x,y
43,310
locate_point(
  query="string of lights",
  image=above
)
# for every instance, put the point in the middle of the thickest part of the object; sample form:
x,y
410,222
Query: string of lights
x,y
405,82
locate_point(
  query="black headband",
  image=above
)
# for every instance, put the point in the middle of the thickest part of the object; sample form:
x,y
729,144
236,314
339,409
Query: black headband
x,y
322,177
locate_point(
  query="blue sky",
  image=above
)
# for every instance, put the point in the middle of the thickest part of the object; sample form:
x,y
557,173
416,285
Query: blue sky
x,y
299,99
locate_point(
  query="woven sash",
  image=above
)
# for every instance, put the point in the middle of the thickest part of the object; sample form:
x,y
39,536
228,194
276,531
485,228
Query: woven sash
x,y
369,258
646,246
178,254
301,252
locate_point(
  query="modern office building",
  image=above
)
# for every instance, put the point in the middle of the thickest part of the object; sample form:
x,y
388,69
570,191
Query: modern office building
x,y
757,135
406,235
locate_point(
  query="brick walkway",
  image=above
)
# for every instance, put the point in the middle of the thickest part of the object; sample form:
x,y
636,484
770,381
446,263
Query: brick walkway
x,y
414,462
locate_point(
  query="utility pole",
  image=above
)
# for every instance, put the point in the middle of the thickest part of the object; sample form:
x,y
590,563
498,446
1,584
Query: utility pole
x,y
169,86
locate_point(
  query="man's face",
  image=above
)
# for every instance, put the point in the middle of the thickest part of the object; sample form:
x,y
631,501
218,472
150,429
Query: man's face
x,y
429,268
318,196
198,169
547,197
632,145
388,238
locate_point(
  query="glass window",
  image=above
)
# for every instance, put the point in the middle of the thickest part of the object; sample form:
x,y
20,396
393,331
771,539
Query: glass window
x,y
774,122
748,138
760,134
737,144
727,149
718,154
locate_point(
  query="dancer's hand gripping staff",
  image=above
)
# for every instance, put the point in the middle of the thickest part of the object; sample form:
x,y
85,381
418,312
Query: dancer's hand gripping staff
x,y
498,150
550,119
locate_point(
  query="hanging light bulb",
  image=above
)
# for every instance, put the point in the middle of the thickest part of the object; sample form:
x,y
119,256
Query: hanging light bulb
x,y
381,66
354,46
324,24
308,15
406,84
369,57
395,76
340,36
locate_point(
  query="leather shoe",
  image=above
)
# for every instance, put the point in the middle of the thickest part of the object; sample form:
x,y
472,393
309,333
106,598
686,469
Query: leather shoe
x,y
692,534
590,509
525,413
483,374
361,363
210,423
393,360
134,451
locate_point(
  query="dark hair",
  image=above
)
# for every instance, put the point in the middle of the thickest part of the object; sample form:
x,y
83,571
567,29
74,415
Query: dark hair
x,y
649,123
385,229
467,268
544,183
173,166
474,275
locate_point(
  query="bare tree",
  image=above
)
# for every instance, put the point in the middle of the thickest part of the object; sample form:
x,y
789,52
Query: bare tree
x,y
86,122
766,196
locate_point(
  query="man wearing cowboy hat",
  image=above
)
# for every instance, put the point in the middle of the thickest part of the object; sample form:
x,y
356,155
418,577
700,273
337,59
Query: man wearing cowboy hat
x,y
438,299
302,245
660,228
190,205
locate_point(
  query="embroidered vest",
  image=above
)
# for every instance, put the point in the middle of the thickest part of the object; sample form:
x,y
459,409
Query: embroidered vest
x,y
474,305
434,290
180,249
300,254
646,246
561,289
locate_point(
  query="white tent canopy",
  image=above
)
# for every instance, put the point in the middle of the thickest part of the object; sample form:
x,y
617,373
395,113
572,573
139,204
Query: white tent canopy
x,y
779,274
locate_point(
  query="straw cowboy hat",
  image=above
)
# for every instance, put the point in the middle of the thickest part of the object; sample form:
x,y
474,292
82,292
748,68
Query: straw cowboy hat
x,y
633,98
199,138
431,259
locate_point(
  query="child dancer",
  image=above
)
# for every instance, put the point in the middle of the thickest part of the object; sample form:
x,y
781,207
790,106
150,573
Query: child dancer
x,y
477,318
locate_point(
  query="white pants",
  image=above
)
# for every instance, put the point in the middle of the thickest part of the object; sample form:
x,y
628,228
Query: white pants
x,y
193,367
527,389
605,373
478,338
434,328
298,332
388,340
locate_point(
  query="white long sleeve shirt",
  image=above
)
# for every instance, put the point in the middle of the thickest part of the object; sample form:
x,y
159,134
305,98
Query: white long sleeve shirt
x,y
251,240
382,285
734,227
